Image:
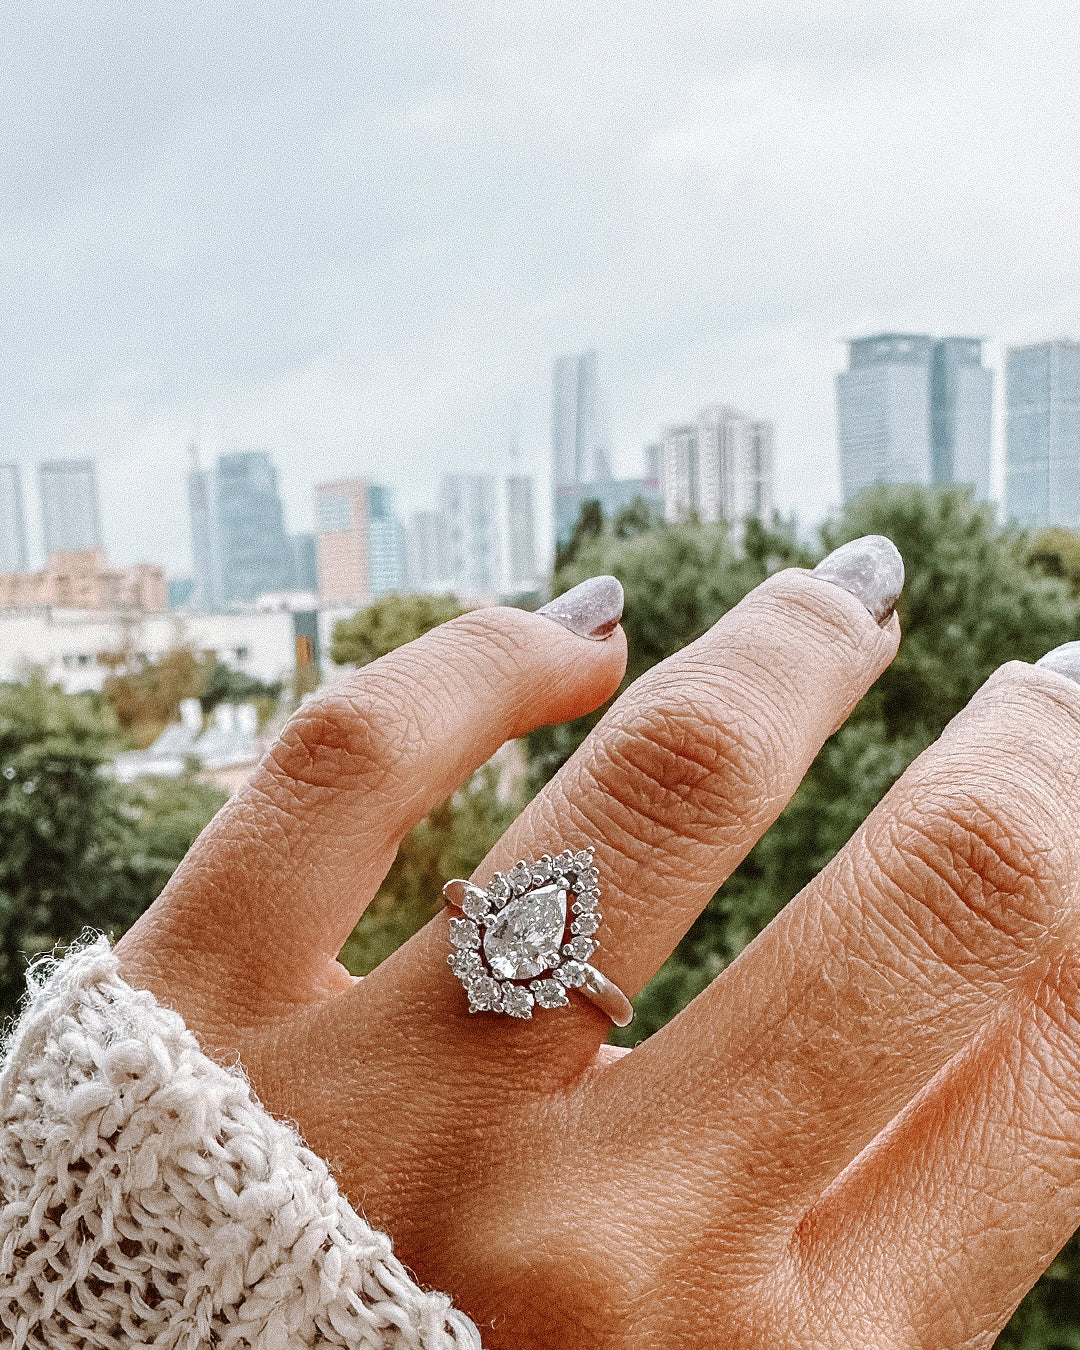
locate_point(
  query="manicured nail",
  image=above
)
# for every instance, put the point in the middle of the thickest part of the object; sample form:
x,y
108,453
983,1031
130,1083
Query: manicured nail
x,y
871,568
591,610
1064,659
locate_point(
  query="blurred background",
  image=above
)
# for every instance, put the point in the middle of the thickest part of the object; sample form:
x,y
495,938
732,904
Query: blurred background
x,y
324,323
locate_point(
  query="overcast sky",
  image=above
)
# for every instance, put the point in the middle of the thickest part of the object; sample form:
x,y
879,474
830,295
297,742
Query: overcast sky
x,y
357,235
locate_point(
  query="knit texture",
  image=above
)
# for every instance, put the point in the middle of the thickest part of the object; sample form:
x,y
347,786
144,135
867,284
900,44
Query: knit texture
x,y
146,1198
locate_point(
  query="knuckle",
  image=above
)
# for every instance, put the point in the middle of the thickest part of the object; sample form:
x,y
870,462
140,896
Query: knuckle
x,y
974,870
347,738
830,614
675,772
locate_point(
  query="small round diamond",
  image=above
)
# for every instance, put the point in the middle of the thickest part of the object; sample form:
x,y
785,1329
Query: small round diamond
x,y
499,889
464,933
586,902
516,1001
549,994
580,949
563,862
541,871
588,878
519,876
476,904
583,859
585,925
571,973
465,963
484,994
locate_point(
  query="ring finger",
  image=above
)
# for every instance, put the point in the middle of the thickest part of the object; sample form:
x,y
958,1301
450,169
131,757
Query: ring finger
x,y
682,776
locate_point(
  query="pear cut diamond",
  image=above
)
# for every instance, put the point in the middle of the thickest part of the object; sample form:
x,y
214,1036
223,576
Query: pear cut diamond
x,y
525,937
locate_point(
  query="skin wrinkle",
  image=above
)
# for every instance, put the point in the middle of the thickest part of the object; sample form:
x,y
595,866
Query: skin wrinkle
x,y
936,848
1016,1083
418,1070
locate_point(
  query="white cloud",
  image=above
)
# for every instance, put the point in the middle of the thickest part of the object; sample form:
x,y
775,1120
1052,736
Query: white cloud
x,y
358,236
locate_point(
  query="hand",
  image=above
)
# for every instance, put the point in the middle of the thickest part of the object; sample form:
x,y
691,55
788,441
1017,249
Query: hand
x,y
864,1133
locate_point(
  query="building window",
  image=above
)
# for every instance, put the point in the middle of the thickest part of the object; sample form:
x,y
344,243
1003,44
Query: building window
x,y
334,513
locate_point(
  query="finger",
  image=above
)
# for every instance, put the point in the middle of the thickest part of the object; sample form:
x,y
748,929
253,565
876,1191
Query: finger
x,y
952,1214
895,955
681,777
276,883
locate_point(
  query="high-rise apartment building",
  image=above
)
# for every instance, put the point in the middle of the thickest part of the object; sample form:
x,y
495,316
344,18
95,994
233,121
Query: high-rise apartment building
x,y
912,409
1042,436
70,518
343,540
719,467
386,542
360,541
426,560
469,505
12,521
238,542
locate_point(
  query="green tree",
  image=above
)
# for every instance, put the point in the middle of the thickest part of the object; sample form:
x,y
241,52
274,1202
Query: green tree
x,y
145,696
678,580
225,685
388,623
1056,552
76,849
977,595
451,842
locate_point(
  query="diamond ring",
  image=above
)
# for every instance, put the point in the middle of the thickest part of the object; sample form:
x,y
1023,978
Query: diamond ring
x,y
526,939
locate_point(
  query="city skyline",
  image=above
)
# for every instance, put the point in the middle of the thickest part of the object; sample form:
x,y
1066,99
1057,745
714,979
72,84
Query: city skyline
x,y
955,417
733,195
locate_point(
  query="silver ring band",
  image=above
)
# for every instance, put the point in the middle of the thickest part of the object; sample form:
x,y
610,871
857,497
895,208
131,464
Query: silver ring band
x,y
526,940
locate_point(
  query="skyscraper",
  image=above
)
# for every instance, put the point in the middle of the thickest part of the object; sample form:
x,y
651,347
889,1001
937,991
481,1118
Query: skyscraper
x,y
70,519
361,544
205,552
386,542
578,446
719,467
255,553
1042,439
470,508
12,521
961,415
238,542
305,562
426,552
911,409
343,540
520,520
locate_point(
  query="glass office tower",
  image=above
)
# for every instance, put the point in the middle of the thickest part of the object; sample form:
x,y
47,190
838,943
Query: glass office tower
x,y
1042,434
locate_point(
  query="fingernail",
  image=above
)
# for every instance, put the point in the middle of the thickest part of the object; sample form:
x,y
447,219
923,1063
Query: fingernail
x,y
1064,659
591,610
871,568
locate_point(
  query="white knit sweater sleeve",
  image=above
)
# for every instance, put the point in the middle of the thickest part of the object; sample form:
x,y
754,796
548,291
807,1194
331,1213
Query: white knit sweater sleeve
x,y
146,1198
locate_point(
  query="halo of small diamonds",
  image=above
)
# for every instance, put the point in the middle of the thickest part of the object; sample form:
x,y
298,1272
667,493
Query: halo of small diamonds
x,y
512,953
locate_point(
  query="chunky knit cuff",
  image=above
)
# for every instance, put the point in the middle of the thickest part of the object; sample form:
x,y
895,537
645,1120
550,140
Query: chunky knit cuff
x,y
146,1198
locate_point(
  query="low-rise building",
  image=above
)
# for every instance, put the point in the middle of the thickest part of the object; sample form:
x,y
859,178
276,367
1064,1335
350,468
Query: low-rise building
x,y
73,647
83,579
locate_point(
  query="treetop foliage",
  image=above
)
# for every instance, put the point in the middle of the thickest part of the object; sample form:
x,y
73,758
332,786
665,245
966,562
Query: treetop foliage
x,y
76,848
388,623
